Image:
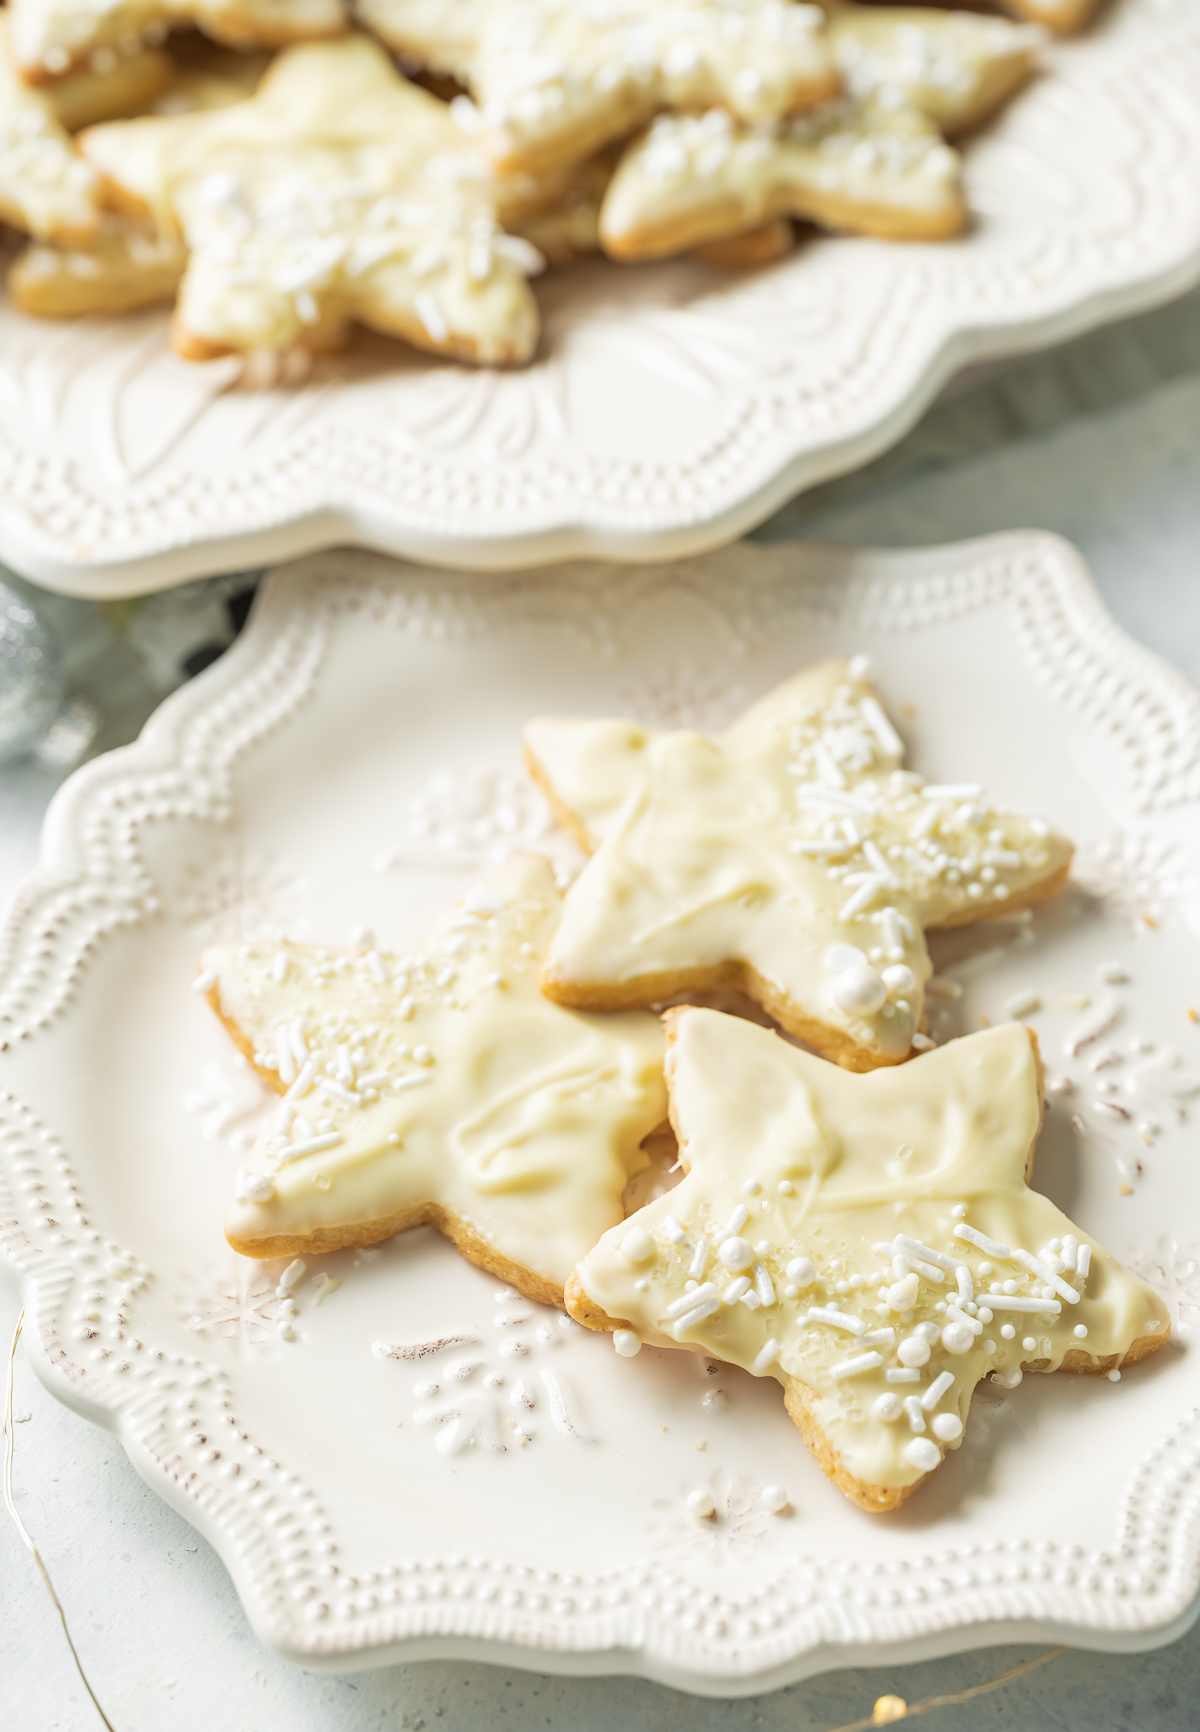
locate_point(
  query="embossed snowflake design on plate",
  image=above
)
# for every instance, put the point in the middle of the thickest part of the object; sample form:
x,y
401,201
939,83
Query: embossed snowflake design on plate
x,y
394,1455
670,408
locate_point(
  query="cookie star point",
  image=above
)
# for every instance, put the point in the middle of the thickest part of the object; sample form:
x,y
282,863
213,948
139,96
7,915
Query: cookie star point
x,y
438,1087
870,1241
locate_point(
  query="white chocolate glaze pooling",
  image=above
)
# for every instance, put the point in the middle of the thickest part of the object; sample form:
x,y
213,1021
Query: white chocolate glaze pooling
x,y
868,1240
791,855
439,1086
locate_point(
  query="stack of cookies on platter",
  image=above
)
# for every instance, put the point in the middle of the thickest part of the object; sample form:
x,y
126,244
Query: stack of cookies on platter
x,y
273,166
854,1218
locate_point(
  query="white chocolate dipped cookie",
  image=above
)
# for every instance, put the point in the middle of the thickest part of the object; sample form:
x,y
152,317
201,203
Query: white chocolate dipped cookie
x,y
50,37
869,1241
875,163
692,180
46,190
339,193
439,1087
791,856
554,80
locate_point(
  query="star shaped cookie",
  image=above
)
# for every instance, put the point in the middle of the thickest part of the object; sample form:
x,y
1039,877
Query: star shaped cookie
x,y
791,856
870,1241
339,192
874,163
554,80
52,36
439,1086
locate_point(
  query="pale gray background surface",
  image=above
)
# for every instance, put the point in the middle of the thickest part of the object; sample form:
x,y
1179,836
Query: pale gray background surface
x,y
1101,442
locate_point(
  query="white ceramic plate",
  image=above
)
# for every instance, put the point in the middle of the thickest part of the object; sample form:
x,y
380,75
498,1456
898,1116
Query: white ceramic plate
x,y
355,759
672,408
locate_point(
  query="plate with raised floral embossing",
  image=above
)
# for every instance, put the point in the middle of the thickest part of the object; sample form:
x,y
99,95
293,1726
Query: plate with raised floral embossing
x,y
355,761
670,408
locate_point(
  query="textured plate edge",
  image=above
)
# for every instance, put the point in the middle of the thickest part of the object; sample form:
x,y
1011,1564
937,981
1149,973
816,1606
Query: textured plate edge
x,y
278,605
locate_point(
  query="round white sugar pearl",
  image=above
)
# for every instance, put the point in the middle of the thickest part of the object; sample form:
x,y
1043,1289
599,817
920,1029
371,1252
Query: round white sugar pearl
x,y
839,957
638,1245
948,1427
800,1272
1081,1331
701,1504
900,978
860,991
887,1407
626,1343
922,1453
773,1498
958,1338
736,1254
913,1351
1029,1344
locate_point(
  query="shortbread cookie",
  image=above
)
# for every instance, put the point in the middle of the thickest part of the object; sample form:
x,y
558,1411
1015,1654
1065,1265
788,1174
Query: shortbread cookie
x,y
1063,16
870,1241
439,1087
957,68
45,188
555,80
694,179
874,164
52,36
340,192
791,856
126,266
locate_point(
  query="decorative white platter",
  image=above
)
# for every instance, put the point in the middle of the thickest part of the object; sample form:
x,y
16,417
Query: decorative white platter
x,y
354,759
672,407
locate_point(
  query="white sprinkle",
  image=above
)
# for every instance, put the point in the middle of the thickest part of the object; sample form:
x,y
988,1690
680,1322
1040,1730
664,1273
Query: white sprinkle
x,y
418,1080
1023,1004
766,1356
773,1498
981,1241
736,1290
887,1407
736,1221
311,1146
876,719
1004,1302
638,1245
922,1453
1036,1267
801,1272
627,1344
914,1248
697,1296
253,1187
701,1504
697,1315
674,1231
936,1390
966,1287
1070,1249
1083,1261
431,316
912,1409
763,1285
856,1364
877,1338
952,791
204,982
699,1261
902,1374
837,1320
292,1275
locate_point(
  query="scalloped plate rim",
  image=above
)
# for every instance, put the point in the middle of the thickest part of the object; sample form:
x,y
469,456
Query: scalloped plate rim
x,y
285,590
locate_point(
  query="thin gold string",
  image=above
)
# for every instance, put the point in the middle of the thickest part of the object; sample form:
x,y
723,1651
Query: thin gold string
x,y
887,1711
890,1709
20,1525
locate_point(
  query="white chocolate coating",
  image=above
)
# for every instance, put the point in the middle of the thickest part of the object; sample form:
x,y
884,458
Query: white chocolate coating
x,y
45,188
519,1119
554,79
792,855
52,36
820,1173
339,192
